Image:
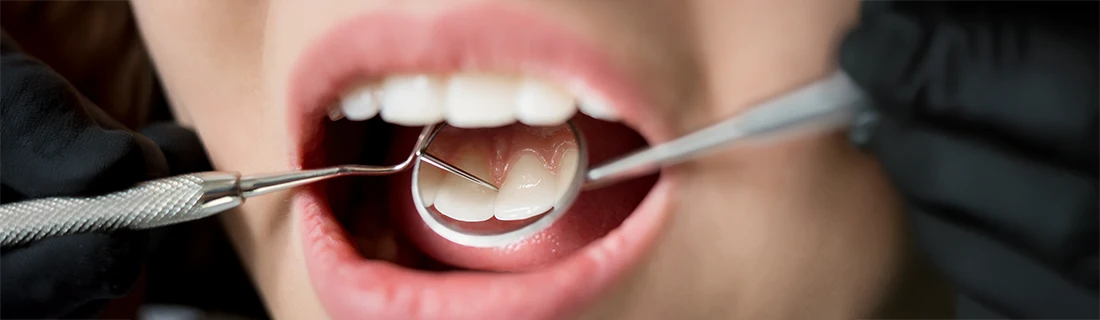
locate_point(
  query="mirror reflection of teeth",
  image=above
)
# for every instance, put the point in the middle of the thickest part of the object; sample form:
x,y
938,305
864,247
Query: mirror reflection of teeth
x,y
567,170
430,179
468,100
461,199
530,187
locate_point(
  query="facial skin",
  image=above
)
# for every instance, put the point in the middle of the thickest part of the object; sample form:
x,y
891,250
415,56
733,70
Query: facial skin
x,y
800,229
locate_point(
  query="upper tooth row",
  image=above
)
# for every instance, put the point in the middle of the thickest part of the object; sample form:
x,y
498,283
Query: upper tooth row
x,y
468,101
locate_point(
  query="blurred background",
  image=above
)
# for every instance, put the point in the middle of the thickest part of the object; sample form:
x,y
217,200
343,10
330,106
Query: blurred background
x,y
192,267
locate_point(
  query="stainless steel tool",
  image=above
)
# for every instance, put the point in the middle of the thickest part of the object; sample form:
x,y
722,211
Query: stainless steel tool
x,y
181,198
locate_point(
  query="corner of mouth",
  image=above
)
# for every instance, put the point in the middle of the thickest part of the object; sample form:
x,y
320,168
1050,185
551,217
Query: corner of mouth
x,y
349,285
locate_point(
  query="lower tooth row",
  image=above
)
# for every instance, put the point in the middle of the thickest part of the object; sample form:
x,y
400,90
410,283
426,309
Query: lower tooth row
x,y
529,188
467,101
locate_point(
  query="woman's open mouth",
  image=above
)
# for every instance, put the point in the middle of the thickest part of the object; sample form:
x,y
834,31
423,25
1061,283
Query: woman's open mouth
x,y
509,73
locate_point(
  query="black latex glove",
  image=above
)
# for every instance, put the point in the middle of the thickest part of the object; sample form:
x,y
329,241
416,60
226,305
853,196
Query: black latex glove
x,y
988,127
56,143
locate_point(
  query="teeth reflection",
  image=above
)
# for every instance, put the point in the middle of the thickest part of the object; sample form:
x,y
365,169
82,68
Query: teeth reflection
x,y
528,190
567,169
463,200
430,180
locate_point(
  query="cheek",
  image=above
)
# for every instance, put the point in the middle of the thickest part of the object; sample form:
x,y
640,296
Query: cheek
x,y
755,231
206,55
653,42
754,50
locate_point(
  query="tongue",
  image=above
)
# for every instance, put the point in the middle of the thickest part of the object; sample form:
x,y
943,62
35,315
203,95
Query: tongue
x,y
530,166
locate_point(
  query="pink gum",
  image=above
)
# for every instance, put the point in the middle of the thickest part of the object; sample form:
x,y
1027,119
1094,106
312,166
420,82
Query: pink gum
x,y
503,145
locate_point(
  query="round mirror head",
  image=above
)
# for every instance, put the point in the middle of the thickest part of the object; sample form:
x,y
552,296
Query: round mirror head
x,y
538,173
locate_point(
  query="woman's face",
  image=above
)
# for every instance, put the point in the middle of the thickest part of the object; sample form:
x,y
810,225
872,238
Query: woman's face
x,y
794,229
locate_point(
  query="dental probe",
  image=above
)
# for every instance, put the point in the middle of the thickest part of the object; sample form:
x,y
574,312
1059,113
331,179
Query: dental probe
x,y
180,198
826,103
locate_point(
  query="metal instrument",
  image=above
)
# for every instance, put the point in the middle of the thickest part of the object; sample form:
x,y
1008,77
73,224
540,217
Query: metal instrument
x,y
181,198
827,103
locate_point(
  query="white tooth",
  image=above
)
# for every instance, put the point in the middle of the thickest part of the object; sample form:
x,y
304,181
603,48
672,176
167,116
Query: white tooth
x,y
430,180
334,112
478,101
360,104
595,106
527,191
567,170
412,100
463,200
539,104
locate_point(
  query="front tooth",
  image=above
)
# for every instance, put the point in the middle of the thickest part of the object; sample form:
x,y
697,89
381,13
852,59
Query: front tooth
x,y
412,100
539,104
463,200
478,101
527,191
430,180
360,104
567,170
595,106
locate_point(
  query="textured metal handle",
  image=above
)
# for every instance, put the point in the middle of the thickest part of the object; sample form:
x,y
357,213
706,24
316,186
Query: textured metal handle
x,y
150,204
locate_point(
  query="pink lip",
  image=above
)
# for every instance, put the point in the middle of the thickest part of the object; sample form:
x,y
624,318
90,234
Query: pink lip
x,y
488,37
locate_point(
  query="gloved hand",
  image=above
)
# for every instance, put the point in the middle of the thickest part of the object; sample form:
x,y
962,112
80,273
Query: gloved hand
x,y
987,125
56,143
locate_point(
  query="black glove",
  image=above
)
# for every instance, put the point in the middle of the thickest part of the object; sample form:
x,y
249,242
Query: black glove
x,y
56,143
987,124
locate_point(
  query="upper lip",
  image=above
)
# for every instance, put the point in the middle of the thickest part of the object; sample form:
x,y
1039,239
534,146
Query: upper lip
x,y
490,37
462,38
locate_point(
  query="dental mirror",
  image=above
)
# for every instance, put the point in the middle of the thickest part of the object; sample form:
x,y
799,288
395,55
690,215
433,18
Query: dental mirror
x,y
539,172
827,104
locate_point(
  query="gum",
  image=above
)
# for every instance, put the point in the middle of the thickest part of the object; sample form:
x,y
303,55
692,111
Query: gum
x,y
502,145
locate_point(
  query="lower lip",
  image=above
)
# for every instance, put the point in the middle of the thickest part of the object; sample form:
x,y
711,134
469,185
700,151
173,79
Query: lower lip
x,y
351,287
